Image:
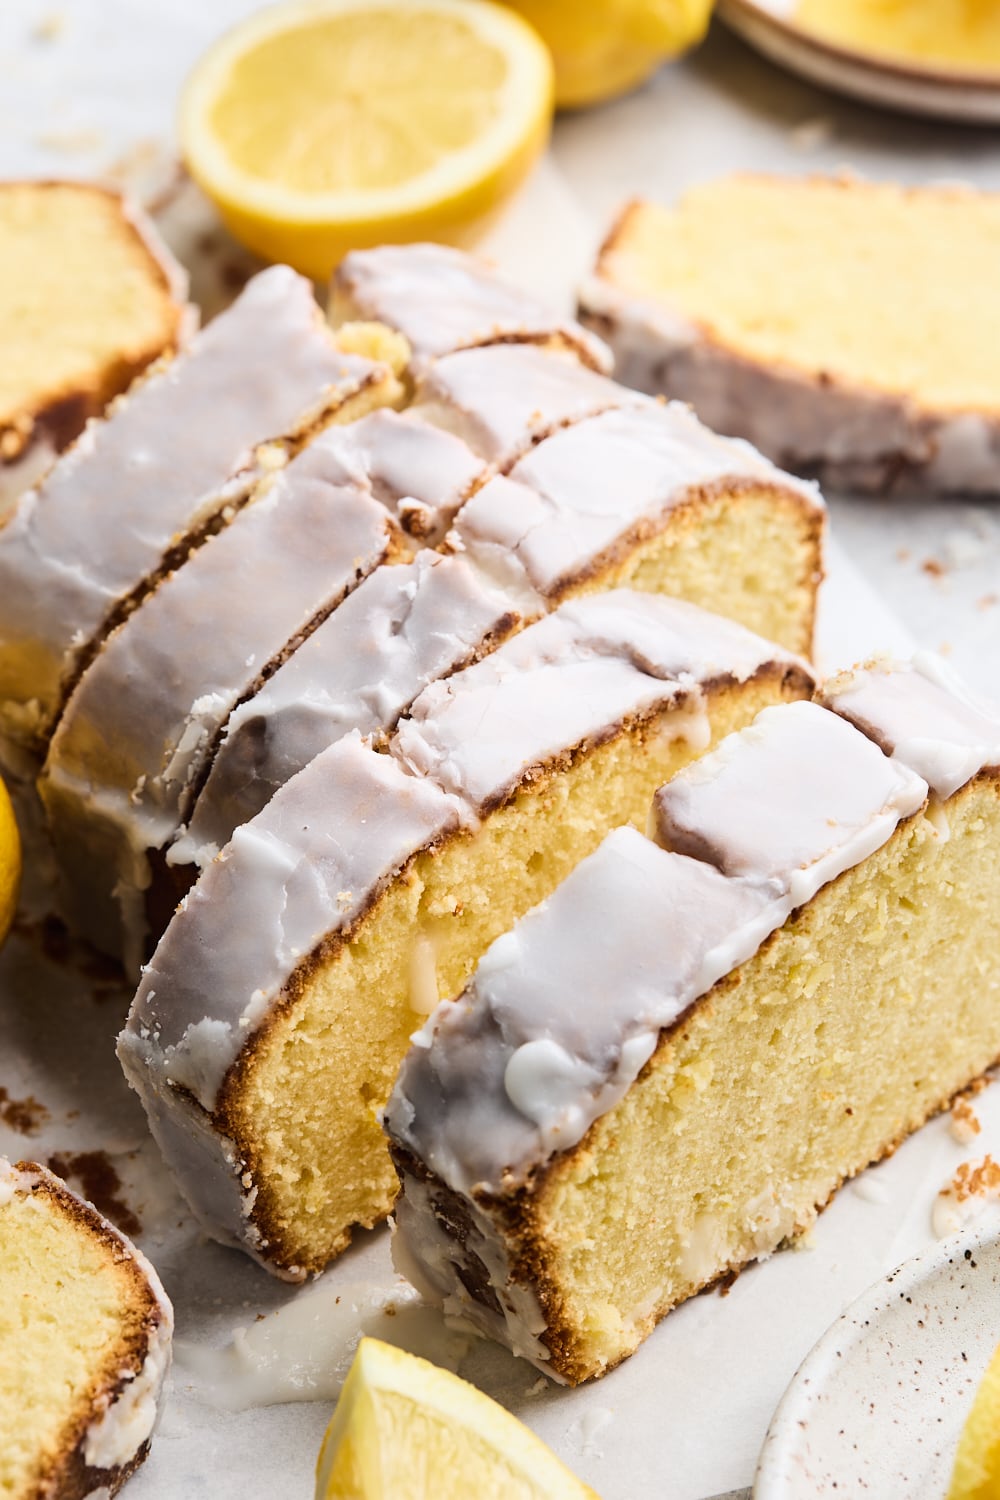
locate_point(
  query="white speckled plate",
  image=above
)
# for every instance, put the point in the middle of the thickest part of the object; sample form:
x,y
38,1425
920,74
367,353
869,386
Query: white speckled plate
x,y
922,89
877,1408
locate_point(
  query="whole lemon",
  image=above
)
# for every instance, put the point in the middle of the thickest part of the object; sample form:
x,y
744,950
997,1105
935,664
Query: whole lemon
x,y
602,48
10,863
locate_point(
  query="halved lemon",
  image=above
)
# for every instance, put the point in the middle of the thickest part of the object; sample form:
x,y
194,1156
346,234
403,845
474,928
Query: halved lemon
x,y
319,126
976,1474
10,863
405,1430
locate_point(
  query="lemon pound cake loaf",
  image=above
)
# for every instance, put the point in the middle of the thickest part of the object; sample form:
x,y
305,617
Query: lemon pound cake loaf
x,y
806,342
138,732
666,1070
89,296
370,884
441,299
179,451
85,1330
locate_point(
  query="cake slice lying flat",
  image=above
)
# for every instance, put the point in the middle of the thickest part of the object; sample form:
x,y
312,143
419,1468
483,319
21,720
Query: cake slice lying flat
x,y
855,336
137,735
89,296
127,500
667,1069
649,498
268,1027
402,628
85,1330
441,300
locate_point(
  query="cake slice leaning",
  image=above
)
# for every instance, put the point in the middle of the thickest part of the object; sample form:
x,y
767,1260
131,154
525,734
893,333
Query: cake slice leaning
x,y
138,733
85,1332
267,1029
806,341
171,461
441,300
666,1070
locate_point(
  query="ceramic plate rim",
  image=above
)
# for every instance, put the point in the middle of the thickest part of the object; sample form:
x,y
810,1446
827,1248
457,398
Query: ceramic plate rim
x,y
789,1423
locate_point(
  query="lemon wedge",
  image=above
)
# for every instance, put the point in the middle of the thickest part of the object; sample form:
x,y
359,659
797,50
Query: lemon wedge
x,y
603,48
405,1430
319,126
10,863
977,1464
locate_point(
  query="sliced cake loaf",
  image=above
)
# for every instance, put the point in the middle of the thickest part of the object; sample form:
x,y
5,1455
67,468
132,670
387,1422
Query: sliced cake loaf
x,y
667,1069
403,628
126,500
138,732
649,498
85,1330
371,883
440,300
89,296
806,341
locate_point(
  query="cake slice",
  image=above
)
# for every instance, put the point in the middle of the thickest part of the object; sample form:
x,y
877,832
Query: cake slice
x,y
666,1070
85,1330
807,341
268,1027
649,498
175,455
139,730
89,296
441,299
401,629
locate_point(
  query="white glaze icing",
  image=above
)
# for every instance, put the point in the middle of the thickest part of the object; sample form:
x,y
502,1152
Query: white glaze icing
x,y
565,681
441,299
924,716
499,399
422,473
140,726
361,669
169,455
554,1028
576,495
124,1420
849,437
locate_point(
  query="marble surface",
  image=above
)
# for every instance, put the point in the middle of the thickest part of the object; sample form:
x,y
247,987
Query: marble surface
x,y
89,86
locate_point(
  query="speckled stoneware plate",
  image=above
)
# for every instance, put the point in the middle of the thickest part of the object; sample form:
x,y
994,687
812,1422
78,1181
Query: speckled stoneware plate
x,y
922,89
877,1408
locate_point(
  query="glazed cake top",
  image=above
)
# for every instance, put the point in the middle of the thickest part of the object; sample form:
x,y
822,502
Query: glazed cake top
x,y
553,1030
922,714
441,299
577,492
402,628
143,717
500,398
319,855
155,469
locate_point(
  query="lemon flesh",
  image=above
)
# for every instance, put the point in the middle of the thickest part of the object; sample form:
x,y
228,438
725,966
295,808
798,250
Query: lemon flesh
x,y
320,126
607,47
977,1463
963,36
10,863
405,1430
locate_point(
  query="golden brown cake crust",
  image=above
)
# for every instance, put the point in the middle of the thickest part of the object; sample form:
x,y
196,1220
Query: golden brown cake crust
x,y
69,1477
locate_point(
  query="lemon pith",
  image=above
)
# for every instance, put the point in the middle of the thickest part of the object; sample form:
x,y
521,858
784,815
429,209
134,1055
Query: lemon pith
x,y
318,126
405,1429
10,863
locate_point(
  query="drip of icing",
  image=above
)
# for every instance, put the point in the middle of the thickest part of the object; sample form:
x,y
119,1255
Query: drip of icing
x,y
302,1352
